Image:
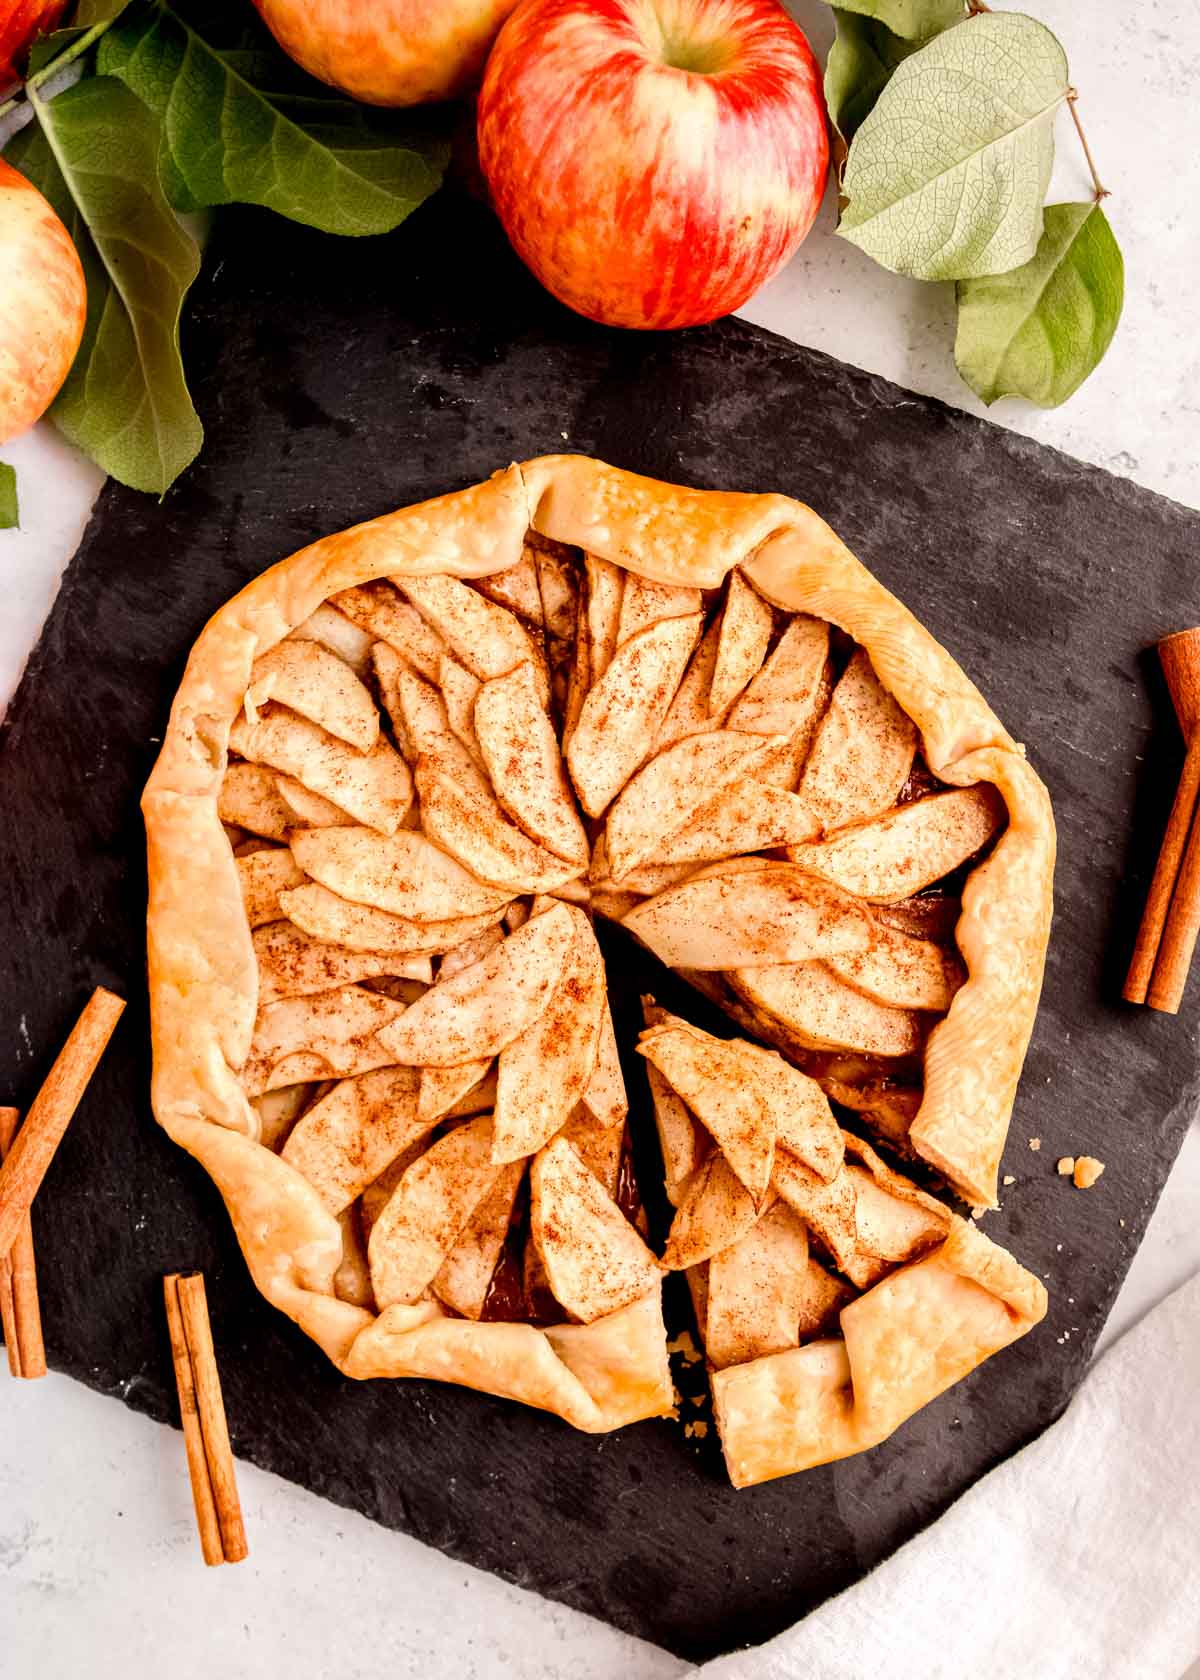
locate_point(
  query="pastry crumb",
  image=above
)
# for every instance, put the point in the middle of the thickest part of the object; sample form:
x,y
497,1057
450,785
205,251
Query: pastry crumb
x,y
1066,1166
1087,1171
683,1344
1035,1144
1010,1178
1122,1224
697,1431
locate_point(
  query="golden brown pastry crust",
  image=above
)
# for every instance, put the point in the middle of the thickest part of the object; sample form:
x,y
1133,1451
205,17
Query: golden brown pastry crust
x,y
907,1340
202,975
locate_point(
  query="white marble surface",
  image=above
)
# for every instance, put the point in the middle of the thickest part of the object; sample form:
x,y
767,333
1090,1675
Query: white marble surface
x,y
99,1572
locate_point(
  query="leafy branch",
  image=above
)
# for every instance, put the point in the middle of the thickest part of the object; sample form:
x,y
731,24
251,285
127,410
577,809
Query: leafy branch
x,y
175,107
944,117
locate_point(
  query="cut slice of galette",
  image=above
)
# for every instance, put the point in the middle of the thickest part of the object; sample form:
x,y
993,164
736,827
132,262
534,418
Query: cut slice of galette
x,y
406,769
833,1296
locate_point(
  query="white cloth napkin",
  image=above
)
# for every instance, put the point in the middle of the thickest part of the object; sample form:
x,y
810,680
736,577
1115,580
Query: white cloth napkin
x,y
1078,1557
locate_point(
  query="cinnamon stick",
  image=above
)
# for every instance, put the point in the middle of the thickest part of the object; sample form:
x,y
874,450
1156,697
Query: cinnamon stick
x,y
1178,942
206,1434
19,1307
1163,881
51,1112
211,1548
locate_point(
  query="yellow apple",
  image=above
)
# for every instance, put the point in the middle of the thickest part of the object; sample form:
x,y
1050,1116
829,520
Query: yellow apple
x,y
389,52
43,303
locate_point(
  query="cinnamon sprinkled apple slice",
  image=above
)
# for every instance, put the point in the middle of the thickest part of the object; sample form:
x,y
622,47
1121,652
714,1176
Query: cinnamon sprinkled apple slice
x,y
374,788
907,849
309,679
328,1036
483,637
519,749
380,609
746,624
902,972
723,1092
667,792
465,1275
595,1261
291,964
428,1210
714,1210
250,798
625,709
824,1013
347,1138
862,751
644,603
263,876
515,588
756,1289
786,695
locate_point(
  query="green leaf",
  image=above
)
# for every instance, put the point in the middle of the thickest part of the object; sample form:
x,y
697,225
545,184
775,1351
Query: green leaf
x,y
1038,331
90,15
8,497
947,176
861,60
916,20
226,139
93,153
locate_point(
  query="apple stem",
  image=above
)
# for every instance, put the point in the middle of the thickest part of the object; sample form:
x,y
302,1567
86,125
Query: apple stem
x,y
1072,100
74,51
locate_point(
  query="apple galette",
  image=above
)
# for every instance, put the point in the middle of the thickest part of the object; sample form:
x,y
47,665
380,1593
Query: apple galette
x,y
404,771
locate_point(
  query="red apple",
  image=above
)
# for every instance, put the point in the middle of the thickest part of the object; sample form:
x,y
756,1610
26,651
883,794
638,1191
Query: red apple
x,y
43,302
21,22
653,161
389,52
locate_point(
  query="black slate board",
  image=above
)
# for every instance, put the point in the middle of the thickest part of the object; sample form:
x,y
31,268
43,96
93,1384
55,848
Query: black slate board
x,y
338,380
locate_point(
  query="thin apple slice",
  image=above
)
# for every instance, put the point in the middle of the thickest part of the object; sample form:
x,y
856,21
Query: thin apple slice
x,y
909,848
379,609
416,707
460,812
359,927
600,1148
605,588
595,1260
732,918
862,752
308,809
309,679
556,576
746,816
786,695
375,787
249,798
668,791
644,603
515,588
645,882
625,709
828,1209
485,638
746,625
756,1289
465,1276
891,1229
479,1098
715,1209
690,713
470,951
604,1097
800,1110
442,1089
460,691
291,964
403,873
544,1071
484,1008
427,1211
679,1137
279,1110
821,1302
328,1036
263,875
519,749
899,971
347,1138
721,1089
377,1194
824,1013
335,631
